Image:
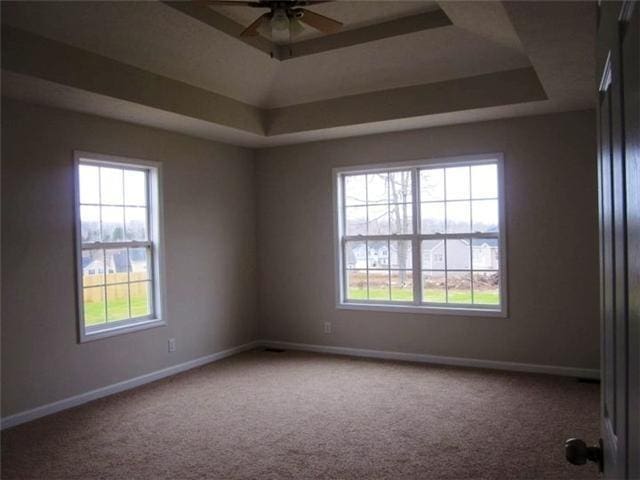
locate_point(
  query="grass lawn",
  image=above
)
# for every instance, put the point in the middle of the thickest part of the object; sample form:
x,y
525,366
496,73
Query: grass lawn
x,y
118,309
481,297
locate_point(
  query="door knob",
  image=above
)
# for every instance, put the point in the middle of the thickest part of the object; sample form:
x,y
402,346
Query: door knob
x,y
578,453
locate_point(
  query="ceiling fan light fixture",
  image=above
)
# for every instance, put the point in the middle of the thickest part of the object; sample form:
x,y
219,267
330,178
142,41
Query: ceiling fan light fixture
x,y
280,26
284,20
280,20
296,27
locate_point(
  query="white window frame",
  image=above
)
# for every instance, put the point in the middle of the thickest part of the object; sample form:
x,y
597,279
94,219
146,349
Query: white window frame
x,y
416,237
155,242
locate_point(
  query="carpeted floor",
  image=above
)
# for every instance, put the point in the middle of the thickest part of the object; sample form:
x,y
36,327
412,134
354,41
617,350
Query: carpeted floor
x,y
303,416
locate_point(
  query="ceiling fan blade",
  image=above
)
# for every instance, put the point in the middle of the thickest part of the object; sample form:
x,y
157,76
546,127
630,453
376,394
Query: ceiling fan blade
x,y
320,22
232,3
252,30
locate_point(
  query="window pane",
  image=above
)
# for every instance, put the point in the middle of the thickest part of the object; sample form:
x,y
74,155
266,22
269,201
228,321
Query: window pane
x,y
401,256
401,218
377,188
458,254
378,220
432,184
136,223
401,286
458,185
456,201
485,252
140,293
117,281
89,184
486,288
379,285
135,187
400,187
111,186
378,254
484,181
459,287
433,287
356,284
432,218
117,265
355,189
117,302
458,217
112,224
140,264
92,267
356,220
485,215
89,224
355,255
93,306
433,254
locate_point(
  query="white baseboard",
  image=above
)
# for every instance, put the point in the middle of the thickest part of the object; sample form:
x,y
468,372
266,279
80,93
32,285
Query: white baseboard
x,y
424,358
76,400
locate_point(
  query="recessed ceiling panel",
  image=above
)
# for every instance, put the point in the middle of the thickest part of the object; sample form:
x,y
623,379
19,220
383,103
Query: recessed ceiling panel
x,y
353,14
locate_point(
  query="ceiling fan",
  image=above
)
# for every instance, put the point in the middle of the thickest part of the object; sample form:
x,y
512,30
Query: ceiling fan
x,y
285,18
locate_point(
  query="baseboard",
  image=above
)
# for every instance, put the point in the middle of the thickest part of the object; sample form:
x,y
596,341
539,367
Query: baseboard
x,y
76,400
28,415
423,358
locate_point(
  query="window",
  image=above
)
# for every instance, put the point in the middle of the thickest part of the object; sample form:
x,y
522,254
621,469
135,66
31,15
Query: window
x,y
424,236
118,245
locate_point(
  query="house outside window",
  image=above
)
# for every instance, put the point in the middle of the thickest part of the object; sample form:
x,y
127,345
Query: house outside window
x,y
119,245
424,236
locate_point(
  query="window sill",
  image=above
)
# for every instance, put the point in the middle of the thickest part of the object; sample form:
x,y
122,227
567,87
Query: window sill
x,y
425,310
97,333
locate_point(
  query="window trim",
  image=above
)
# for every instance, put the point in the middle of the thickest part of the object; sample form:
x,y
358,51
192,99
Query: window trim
x,y
156,240
403,307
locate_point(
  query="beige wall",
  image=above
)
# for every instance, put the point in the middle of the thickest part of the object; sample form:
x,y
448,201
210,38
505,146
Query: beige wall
x,y
210,254
551,197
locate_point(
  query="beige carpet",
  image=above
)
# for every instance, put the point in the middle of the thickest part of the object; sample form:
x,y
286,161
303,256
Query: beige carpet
x,y
303,416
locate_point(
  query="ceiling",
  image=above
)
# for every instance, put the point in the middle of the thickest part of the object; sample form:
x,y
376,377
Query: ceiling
x,y
395,65
352,14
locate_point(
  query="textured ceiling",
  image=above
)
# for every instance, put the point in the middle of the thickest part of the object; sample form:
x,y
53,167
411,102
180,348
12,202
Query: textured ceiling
x,y
154,37
159,66
421,57
157,38
567,71
352,14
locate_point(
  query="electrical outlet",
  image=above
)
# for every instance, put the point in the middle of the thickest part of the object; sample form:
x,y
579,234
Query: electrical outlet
x,y
172,345
327,327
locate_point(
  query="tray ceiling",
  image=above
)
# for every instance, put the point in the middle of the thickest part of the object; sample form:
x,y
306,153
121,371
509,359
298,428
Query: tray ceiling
x,y
191,65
